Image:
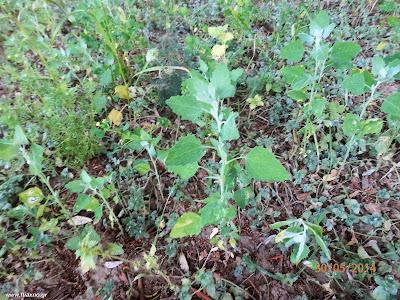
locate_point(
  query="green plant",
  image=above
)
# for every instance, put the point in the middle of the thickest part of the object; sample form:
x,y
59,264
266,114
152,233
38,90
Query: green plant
x,y
202,103
387,288
297,235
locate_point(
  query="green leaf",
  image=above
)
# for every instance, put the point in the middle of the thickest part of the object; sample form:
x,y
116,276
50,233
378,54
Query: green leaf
x,y
298,95
293,51
75,186
235,74
231,173
319,24
8,150
371,126
318,106
300,252
142,166
187,224
351,124
378,66
214,212
186,171
99,102
280,224
49,225
344,51
261,164
187,150
387,6
115,249
221,80
391,105
229,130
292,73
317,232
355,84
19,136
242,196
81,202
185,106
86,177
106,78
321,53
73,243
35,159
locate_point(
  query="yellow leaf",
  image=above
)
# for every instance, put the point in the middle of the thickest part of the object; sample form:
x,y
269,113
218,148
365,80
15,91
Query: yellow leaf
x,y
115,116
225,37
381,45
122,91
218,50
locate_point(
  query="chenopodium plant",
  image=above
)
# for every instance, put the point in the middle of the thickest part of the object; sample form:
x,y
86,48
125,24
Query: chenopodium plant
x,y
360,82
202,103
305,80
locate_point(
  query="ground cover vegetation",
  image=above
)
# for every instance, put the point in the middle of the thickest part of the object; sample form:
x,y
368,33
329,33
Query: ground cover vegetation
x,y
229,149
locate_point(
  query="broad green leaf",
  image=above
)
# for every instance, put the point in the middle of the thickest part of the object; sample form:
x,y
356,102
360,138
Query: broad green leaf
x,y
75,186
300,252
187,150
85,177
49,225
321,53
185,106
293,51
344,51
242,197
371,126
319,24
73,243
351,124
355,84
214,212
229,130
187,224
19,136
231,173
115,249
393,21
106,78
235,74
378,67
8,150
35,159
318,106
185,171
261,164
202,90
387,6
298,95
391,105
369,79
292,73
132,139
221,80
99,102
81,202
142,166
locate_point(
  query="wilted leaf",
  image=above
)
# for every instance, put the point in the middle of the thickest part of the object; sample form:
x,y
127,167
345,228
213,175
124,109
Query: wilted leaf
x,y
115,116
